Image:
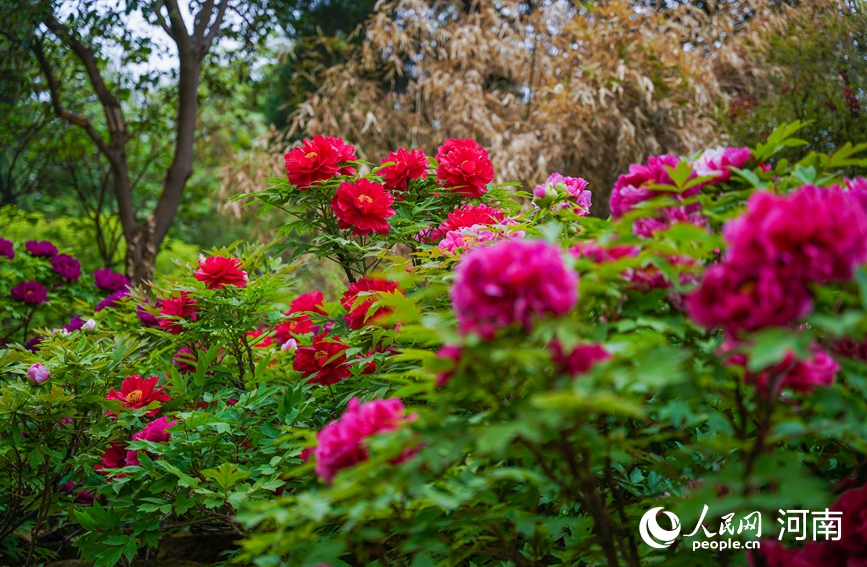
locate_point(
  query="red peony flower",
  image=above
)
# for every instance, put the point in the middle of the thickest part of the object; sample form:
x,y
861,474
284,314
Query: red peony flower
x,y
181,306
324,363
317,160
256,339
217,272
358,316
113,458
310,302
406,165
363,206
137,392
464,167
297,325
580,360
471,216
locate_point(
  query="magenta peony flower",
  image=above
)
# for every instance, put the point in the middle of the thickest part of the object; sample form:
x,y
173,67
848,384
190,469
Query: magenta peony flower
x,y
156,432
668,217
559,192
745,298
75,324
66,267
38,374
185,359
818,233
802,376
515,281
340,444
717,162
7,248
40,248
853,504
30,292
107,280
632,188
112,300
451,353
147,318
579,361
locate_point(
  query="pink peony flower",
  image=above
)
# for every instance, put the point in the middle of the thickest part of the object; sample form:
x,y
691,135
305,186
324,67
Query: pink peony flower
x,y
802,376
668,217
30,292
156,431
406,165
579,361
217,272
465,238
818,233
451,353
717,162
38,374
633,187
560,192
515,281
464,167
745,298
340,444
600,254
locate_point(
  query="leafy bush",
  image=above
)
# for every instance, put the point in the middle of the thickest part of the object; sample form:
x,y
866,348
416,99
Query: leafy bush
x,y
502,383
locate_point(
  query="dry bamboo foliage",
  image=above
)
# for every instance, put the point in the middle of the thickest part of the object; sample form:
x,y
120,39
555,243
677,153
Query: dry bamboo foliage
x,y
552,87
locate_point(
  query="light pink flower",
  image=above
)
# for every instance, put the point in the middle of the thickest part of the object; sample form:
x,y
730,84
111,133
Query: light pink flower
x,y
717,162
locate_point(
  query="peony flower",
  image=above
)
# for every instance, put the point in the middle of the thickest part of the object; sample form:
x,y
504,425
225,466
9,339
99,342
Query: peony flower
x,y
470,216
466,238
33,344
7,248
217,272
818,233
406,165
853,505
66,267
717,162
515,281
89,325
323,363
113,458
181,306
185,359
40,248
107,280
137,392
668,217
260,338
802,376
359,315
310,302
155,432
112,299
559,192
634,187
745,298
813,554
317,160
464,167
30,292
340,444
38,374
363,206
75,324
579,361
147,318
600,254
450,353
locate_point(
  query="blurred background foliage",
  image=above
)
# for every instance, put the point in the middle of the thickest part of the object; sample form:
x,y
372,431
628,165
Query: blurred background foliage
x,y
546,85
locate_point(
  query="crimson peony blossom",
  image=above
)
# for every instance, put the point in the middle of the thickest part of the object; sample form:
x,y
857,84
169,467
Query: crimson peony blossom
x,y
185,359
155,432
30,292
515,281
299,323
7,248
745,298
802,376
137,392
406,165
464,167
257,340
363,206
560,192
853,504
291,329
579,360
634,187
470,216
66,267
109,281
819,233
113,458
40,248
217,272
310,302
340,444
112,299
324,363
181,306
717,162
317,160
359,315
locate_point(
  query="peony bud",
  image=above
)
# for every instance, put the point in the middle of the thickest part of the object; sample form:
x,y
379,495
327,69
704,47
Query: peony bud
x,y
290,345
38,374
89,325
